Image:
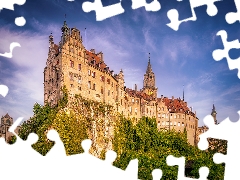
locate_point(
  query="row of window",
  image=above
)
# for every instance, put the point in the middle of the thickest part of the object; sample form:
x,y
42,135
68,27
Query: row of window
x,y
174,124
176,116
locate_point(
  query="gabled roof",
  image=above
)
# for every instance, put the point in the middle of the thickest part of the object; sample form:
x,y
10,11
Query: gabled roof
x,y
139,94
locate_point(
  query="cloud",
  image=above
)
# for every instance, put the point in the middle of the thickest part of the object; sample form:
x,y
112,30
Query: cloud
x,y
25,77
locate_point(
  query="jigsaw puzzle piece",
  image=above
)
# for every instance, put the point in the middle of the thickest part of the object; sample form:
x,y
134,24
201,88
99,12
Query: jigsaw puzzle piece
x,y
229,131
12,46
173,14
153,6
180,162
3,90
58,150
9,4
232,17
103,13
219,54
157,174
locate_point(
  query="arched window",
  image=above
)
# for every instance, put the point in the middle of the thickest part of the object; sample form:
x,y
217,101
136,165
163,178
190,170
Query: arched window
x,y
8,122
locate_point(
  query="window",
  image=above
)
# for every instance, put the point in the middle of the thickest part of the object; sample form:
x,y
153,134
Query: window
x,y
163,115
93,74
178,123
112,84
94,87
130,109
71,63
108,92
8,122
89,84
79,88
101,90
79,67
71,76
136,110
166,115
79,79
108,81
132,100
159,115
175,123
163,123
170,123
163,108
182,123
102,78
175,116
71,85
121,101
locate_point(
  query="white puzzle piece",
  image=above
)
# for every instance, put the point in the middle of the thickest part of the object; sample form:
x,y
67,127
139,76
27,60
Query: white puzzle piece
x,y
219,54
174,16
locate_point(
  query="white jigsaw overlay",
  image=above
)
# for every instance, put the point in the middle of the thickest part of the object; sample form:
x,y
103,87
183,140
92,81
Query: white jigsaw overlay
x,y
93,168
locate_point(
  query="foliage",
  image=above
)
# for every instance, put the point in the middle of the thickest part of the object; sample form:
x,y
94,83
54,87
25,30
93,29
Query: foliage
x,y
12,139
151,147
75,119
71,129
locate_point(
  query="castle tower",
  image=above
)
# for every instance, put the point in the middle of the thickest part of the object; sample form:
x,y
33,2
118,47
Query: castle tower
x,y
149,81
214,114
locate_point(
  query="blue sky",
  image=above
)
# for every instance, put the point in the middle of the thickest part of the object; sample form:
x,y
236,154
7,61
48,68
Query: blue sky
x,y
178,58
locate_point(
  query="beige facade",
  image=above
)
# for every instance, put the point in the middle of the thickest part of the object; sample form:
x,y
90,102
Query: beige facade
x,y
6,122
85,72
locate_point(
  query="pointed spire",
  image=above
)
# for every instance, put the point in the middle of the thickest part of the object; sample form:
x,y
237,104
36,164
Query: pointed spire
x,y
149,68
214,114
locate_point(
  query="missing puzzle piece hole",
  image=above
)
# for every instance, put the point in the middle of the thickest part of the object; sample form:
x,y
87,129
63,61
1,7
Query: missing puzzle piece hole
x,y
20,21
234,53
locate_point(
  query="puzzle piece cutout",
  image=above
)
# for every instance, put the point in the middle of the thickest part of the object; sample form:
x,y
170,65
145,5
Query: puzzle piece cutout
x,y
232,17
229,131
219,54
4,90
59,166
9,4
103,13
153,6
12,46
173,14
180,162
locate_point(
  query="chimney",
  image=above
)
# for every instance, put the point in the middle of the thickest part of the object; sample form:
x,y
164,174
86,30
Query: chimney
x,y
135,87
172,97
161,96
93,51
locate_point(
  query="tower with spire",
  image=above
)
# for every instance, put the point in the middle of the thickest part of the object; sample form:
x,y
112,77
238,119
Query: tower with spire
x,y
214,114
149,81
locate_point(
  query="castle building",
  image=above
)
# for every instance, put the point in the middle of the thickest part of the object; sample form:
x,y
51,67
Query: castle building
x,y
6,122
84,72
204,128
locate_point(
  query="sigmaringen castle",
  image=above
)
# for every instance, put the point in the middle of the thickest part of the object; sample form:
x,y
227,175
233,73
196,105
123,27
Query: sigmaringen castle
x,y
84,72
